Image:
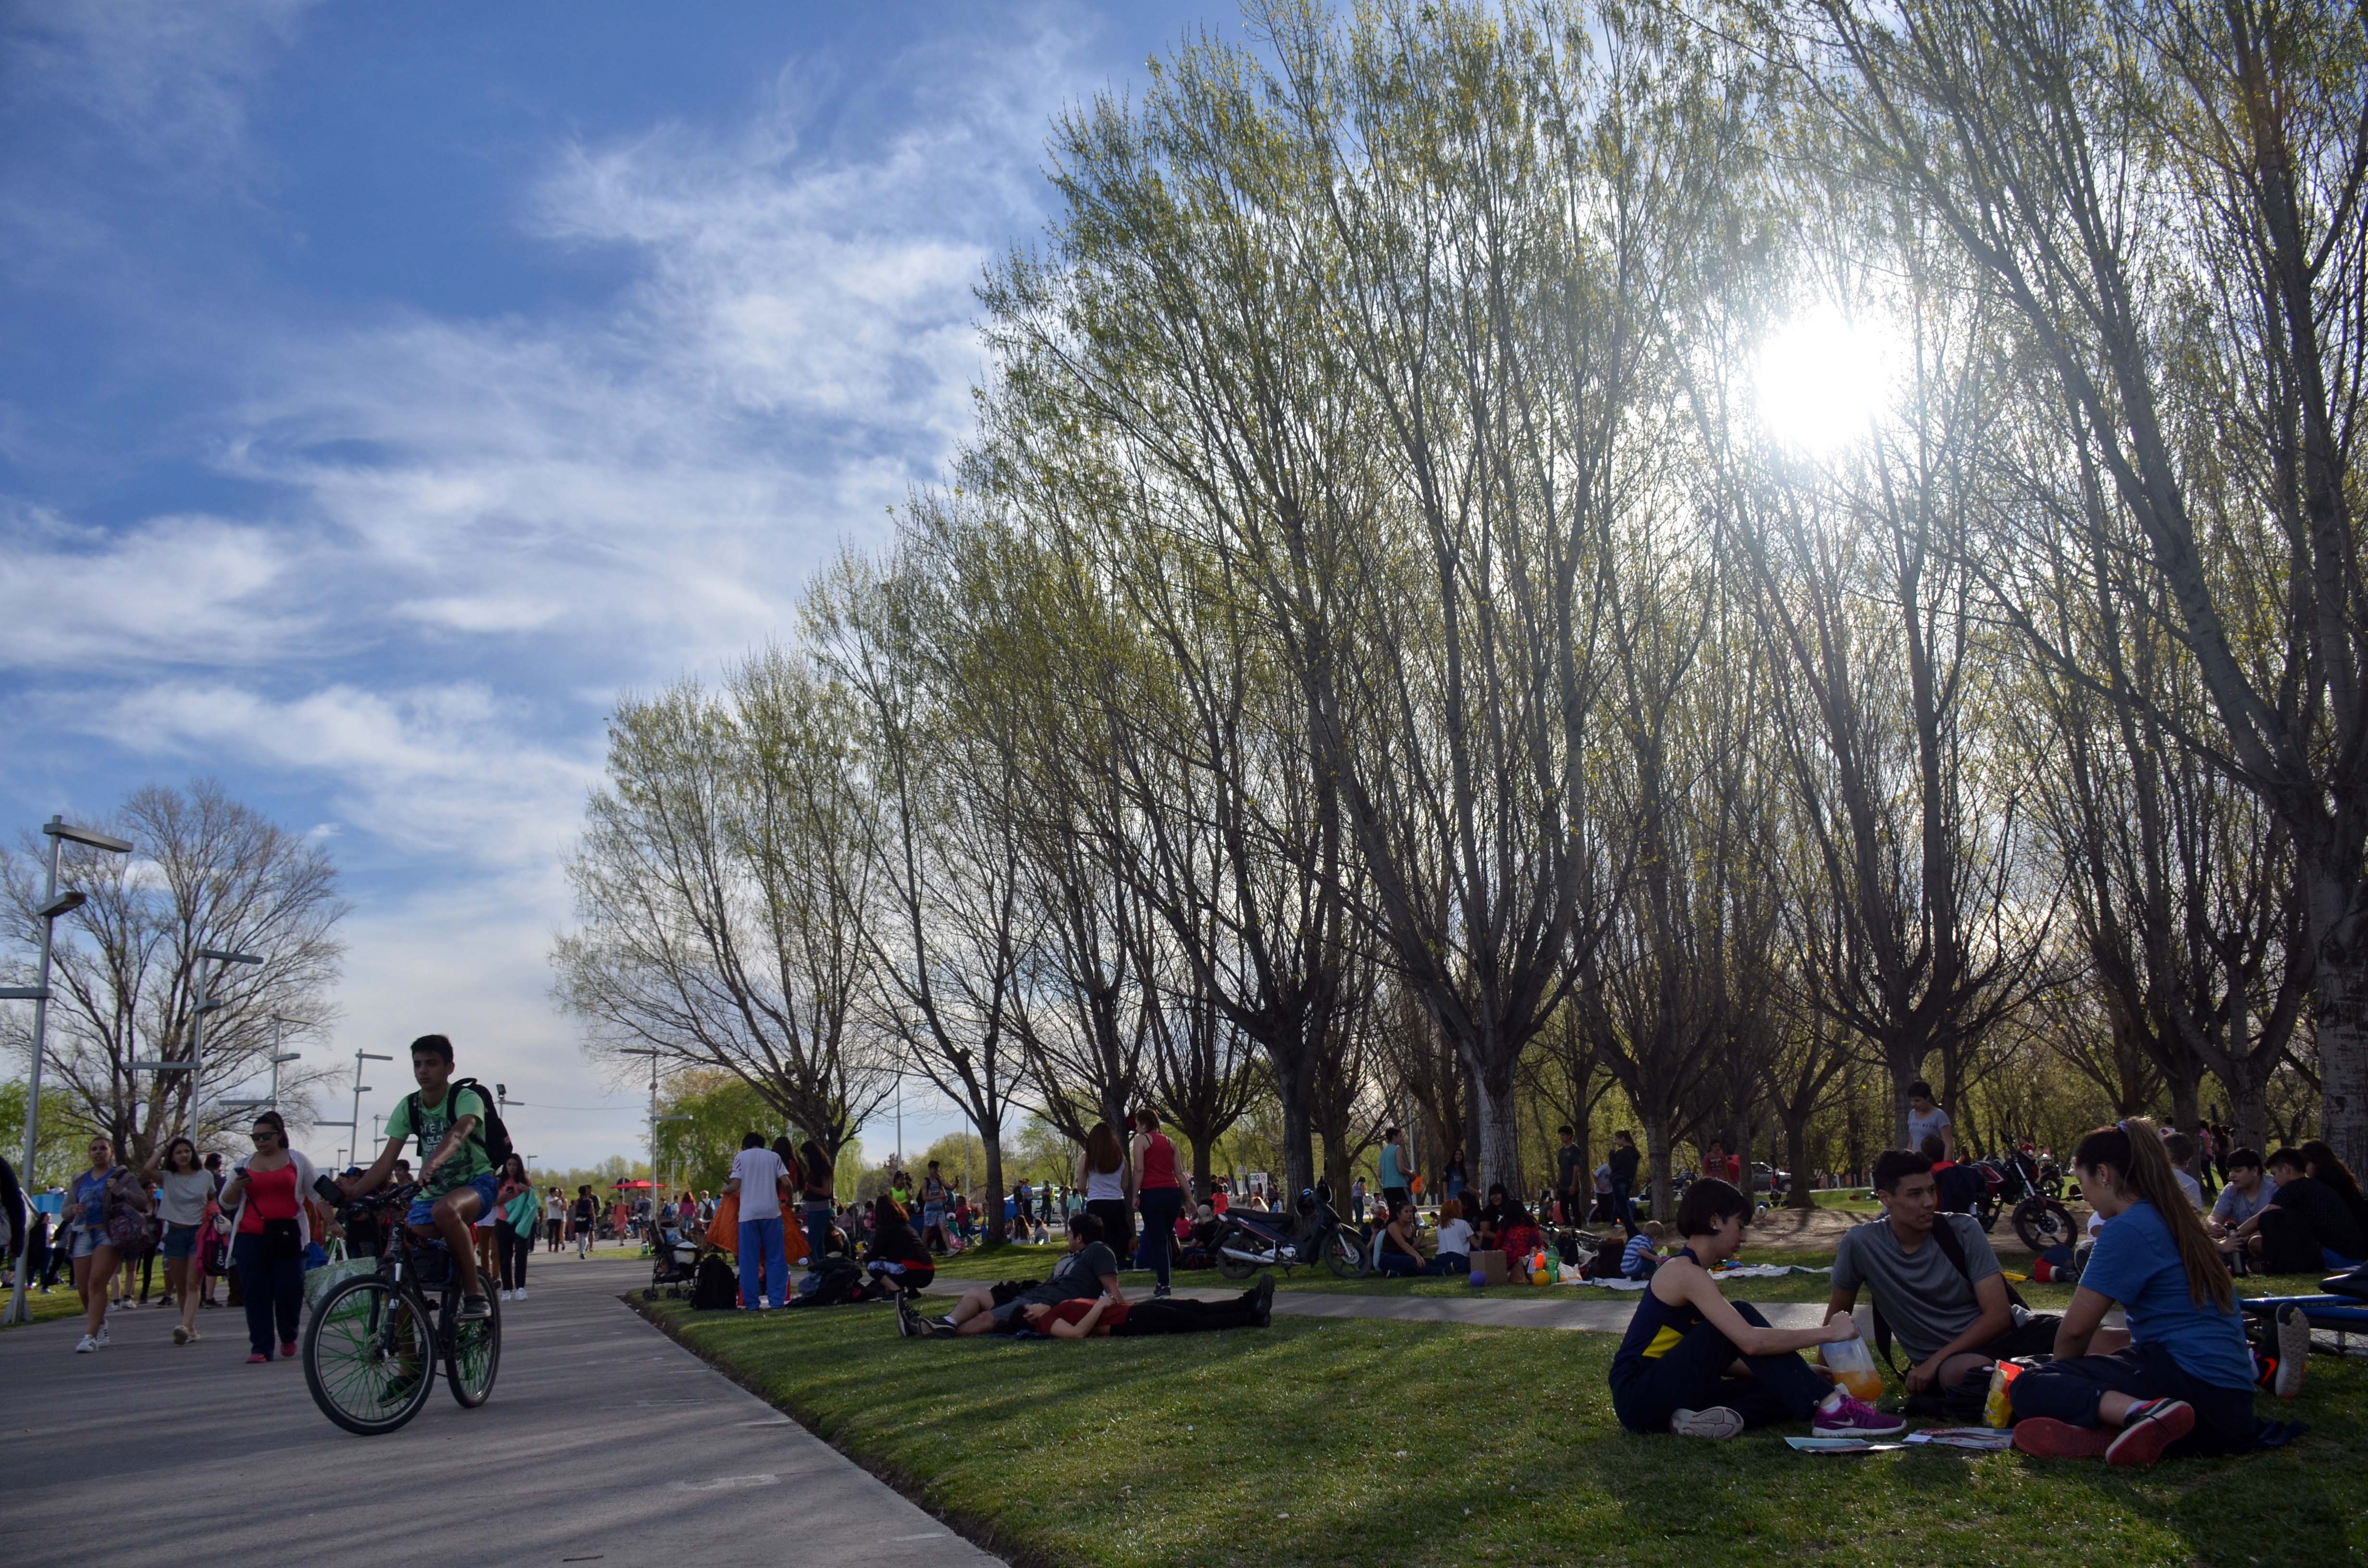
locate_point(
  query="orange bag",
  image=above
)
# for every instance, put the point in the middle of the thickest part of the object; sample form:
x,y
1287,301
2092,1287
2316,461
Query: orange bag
x,y
724,1230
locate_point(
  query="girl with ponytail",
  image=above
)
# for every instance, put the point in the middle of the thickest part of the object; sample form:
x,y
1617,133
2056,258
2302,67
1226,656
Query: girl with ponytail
x,y
2181,1380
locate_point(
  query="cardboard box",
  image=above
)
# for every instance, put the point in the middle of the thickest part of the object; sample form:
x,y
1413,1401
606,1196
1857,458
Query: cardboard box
x,y
1491,1265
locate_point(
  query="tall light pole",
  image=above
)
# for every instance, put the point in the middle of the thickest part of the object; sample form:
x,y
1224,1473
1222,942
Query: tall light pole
x,y
54,904
278,1057
653,1055
354,1127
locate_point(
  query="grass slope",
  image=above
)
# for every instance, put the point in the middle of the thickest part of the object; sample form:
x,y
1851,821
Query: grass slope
x,y
1355,1441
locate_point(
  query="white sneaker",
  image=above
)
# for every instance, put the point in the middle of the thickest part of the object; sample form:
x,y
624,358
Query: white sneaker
x,y
518,1294
89,1342
102,1337
506,1295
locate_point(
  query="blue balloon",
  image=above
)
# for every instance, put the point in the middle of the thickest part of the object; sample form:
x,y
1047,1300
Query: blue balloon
x,y
1479,1277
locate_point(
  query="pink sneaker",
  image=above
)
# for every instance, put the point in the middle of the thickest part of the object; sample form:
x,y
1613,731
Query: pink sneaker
x,y
1850,1418
287,1350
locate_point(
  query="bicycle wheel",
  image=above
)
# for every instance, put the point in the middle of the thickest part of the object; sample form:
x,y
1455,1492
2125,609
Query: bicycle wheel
x,y
474,1357
369,1355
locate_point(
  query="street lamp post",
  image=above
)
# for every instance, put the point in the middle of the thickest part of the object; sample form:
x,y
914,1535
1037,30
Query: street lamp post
x,y
278,1057
54,904
198,1025
355,1126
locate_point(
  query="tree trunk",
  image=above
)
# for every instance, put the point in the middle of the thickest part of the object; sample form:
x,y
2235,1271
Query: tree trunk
x,y
1298,1126
2186,1099
991,1138
1657,1161
2342,984
1500,1132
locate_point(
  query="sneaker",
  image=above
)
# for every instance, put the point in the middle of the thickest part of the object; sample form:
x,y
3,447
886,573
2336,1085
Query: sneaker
x,y
2294,1351
1717,1422
102,1337
88,1343
288,1351
2044,1436
2148,1430
1851,1417
908,1327
1159,1292
518,1294
195,1336
506,1295
257,1360
180,1334
474,1309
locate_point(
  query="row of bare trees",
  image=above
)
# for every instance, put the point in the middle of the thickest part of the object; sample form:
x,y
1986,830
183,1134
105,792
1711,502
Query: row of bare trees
x,y
1375,652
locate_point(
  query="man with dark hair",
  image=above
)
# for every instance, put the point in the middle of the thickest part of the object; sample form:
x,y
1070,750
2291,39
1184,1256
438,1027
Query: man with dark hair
x,y
457,1180
1091,1269
2248,1192
1941,1291
2305,1226
1624,1160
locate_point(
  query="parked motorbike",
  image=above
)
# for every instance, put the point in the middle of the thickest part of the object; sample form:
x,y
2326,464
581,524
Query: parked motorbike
x,y
2040,1221
1251,1241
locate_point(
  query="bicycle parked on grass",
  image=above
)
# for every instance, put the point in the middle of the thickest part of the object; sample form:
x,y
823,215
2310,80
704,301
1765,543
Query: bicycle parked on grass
x,y
374,1342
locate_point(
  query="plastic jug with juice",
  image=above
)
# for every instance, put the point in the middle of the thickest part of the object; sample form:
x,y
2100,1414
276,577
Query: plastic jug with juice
x,y
1853,1365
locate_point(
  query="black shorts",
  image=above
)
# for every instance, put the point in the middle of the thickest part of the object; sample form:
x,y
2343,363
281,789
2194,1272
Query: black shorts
x,y
2035,1335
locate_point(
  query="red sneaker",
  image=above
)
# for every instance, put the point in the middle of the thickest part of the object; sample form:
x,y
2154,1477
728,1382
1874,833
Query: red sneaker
x,y
257,1360
2150,1429
288,1349
2044,1436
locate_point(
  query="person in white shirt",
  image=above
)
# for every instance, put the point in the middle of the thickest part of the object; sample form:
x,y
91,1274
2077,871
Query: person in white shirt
x,y
757,1176
2182,1150
554,1218
1925,1118
1454,1253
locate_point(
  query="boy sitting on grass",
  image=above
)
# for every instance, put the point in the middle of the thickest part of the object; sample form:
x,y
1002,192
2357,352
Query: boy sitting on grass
x,y
1643,1253
1700,1366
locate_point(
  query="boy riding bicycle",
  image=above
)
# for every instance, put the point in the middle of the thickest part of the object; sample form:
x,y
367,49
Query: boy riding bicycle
x,y
457,1180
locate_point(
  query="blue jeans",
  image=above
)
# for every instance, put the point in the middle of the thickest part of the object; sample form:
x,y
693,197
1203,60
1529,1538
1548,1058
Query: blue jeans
x,y
761,1242
1162,1207
1397,1264
1454,1265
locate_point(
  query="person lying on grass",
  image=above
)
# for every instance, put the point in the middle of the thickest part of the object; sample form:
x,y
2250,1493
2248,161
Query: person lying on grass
x,y
1089,1270
1700,1366
2180,1380
1106,1316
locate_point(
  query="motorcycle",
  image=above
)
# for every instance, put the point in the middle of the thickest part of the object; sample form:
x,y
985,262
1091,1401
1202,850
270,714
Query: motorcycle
x,y
1251,1241
2040,1221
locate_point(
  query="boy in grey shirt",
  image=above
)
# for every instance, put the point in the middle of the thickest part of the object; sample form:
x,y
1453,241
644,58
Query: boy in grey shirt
x,y
1949,1319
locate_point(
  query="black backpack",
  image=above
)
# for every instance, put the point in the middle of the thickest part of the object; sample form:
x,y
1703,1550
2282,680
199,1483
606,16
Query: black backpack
x,y
715,1288
493,1135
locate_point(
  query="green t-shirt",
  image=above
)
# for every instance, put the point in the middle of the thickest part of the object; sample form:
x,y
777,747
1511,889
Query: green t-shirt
x,y
435,1121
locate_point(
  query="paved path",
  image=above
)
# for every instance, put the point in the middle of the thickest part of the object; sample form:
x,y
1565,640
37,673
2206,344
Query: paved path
x,y
604,1442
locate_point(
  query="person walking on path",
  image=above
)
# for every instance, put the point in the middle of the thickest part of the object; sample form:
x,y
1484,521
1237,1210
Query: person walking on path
x,y
269,1233
584,1216
521,1213
1395,1177
1573,1185
97,1196
757,1176
1162,1192
1623,1163
185,1191
1103,1172
554,1218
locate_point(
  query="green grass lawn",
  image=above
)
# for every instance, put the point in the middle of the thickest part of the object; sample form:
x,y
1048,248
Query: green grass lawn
x,y
1355,1442
60,1302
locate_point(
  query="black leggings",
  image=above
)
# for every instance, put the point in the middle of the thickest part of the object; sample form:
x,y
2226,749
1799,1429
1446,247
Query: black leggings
x,y
1693,1376
1117,1225
273,1293
516,1247
1176,1314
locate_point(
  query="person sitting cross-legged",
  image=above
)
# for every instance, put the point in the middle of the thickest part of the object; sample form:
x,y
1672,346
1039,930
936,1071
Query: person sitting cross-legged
x,y
1939,1290
1106,1316
2182,1380
1091,1269
1396,1251
1698,1365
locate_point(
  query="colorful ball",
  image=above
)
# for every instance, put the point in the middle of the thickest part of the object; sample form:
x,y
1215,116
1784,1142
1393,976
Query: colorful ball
x,y
1538,1277
1479,1277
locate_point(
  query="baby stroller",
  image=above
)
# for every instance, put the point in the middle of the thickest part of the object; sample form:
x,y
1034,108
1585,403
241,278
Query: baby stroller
x,y
674,1261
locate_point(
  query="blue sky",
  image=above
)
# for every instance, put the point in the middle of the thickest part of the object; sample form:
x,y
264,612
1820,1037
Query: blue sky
x,y
388,387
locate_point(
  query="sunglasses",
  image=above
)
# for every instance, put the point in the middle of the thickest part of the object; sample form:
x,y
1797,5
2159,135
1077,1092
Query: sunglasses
x,y
266,1136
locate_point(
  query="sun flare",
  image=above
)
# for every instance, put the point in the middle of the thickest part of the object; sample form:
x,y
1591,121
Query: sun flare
x,y
1820,380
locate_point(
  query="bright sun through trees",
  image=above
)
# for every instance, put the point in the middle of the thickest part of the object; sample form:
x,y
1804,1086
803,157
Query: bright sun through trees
x,y
1820,380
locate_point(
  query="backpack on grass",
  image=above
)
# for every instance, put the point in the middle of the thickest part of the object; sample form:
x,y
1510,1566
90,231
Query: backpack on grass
x,y
714,1289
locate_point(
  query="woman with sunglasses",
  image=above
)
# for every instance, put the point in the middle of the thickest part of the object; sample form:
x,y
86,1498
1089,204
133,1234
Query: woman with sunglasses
x,y
183,1190
270,1234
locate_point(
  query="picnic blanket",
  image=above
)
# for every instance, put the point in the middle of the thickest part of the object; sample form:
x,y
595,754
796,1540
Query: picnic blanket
x,y
1750,1271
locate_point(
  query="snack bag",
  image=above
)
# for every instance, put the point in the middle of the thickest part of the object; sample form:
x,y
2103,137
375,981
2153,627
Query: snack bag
x,y
1998,1410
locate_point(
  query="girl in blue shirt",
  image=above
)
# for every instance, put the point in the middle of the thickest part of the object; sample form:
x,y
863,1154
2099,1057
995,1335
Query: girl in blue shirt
x,y
2180,1380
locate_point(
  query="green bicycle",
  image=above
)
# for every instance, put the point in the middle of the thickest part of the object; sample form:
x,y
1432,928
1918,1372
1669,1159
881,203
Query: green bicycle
x,y
374,1342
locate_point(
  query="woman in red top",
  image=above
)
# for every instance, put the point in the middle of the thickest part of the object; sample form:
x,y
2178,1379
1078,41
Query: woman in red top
x,y
267,1237
1161,1194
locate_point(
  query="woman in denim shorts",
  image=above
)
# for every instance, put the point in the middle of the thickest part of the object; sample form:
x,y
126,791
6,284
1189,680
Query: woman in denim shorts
x,y
184,1187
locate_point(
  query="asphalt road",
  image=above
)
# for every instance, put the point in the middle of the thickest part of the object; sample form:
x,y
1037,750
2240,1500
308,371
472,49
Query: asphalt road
x,y
604,1442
